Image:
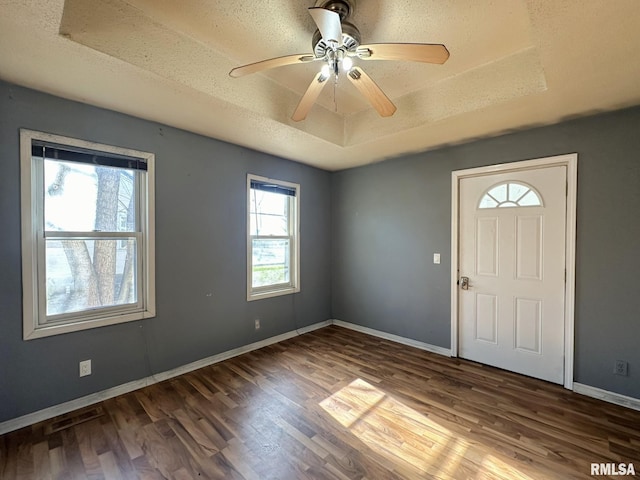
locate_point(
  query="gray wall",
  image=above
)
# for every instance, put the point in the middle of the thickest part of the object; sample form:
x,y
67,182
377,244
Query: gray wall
x,y
367,240
389,218
200,201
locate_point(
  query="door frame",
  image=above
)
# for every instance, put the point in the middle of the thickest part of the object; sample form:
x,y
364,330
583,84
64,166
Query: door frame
x,y
571,162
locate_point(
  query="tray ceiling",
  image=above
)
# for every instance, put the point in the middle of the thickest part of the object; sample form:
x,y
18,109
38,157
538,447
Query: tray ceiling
x,y
513,64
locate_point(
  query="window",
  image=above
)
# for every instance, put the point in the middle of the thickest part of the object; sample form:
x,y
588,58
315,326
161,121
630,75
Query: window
x,y
87,234
273,243
510,194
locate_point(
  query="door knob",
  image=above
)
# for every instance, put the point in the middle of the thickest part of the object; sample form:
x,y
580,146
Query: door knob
x,y
464,283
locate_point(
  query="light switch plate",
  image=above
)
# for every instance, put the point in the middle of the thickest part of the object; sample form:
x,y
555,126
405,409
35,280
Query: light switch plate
x,y
436,258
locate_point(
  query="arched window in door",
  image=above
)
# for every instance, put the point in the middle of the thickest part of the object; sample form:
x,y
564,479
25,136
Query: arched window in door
x,y
510,194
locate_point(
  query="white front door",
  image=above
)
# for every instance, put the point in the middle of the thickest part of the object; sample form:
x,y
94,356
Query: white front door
x,y
512,251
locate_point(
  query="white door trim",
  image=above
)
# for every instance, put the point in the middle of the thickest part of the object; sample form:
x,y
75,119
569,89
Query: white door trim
x,y
571,162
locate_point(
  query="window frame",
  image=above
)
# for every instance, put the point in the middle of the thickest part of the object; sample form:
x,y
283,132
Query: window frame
x,y
35,324
293,286
501,204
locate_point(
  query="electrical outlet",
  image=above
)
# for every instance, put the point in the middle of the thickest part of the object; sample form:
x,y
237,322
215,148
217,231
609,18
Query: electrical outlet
x,y
85,368
620,367
257,324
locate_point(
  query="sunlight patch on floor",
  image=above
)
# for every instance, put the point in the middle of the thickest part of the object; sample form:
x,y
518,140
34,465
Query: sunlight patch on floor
x,y
412,441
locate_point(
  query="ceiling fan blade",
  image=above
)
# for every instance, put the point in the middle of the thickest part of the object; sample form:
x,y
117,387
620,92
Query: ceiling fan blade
x,y
272,63
328,23
310,96
413,52
372,91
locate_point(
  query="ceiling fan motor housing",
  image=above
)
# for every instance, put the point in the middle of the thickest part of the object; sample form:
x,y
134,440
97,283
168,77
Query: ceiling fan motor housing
x,y
350,40
344,8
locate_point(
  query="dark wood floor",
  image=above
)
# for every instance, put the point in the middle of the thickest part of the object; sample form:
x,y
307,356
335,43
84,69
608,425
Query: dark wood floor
x,y
332,404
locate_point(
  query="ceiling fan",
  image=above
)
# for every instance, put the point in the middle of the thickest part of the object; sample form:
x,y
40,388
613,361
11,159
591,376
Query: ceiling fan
x,y
336,43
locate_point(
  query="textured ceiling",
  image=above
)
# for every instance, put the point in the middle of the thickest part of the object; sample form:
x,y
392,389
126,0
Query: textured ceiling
x,y
513,64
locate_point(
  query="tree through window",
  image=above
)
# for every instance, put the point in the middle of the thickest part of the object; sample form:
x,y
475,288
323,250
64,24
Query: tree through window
x,y
88,234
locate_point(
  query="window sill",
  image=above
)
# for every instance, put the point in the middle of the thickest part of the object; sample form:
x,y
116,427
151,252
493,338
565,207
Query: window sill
x,y
251,296
50,330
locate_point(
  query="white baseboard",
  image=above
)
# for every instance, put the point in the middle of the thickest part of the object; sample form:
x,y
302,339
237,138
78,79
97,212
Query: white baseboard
x,y
61,409
394,338
315,326
607,396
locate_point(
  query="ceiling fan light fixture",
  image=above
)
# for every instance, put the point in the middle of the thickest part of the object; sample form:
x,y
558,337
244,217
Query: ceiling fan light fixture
x,y
326,70
347,64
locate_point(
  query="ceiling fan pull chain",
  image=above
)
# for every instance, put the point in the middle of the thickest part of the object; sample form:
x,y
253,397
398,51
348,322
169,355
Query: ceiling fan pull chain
x,y
335,101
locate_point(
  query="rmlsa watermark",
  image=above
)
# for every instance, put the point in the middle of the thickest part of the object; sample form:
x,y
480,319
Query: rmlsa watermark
x,y
612,469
